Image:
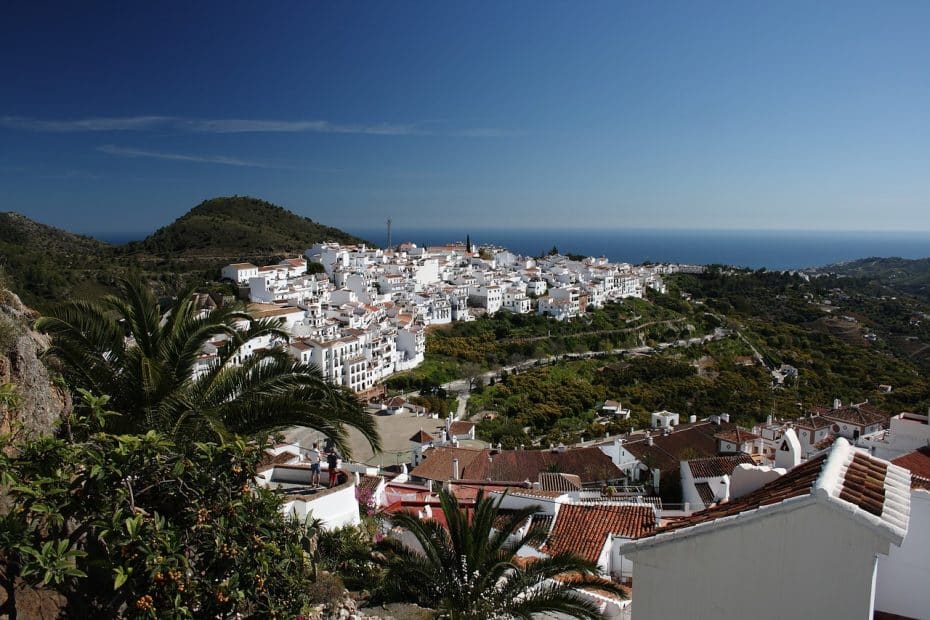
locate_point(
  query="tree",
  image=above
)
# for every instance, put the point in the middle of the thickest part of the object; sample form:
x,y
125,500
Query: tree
x,y
468,569
124,347
127,526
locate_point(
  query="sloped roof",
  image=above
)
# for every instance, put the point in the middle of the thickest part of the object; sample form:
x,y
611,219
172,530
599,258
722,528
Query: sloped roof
x,y
437,462
862,414
582,529
666,452
551,481
422,437
737,435
369,483
717,466
916,462
589,464
706,493
873,491
461,428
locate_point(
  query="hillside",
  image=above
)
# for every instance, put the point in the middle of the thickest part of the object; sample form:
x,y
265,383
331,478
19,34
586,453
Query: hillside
x,y
911,276
43,262
237,226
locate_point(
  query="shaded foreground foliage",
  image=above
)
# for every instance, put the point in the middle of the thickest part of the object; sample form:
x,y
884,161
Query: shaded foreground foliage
x,y
128,526
468,569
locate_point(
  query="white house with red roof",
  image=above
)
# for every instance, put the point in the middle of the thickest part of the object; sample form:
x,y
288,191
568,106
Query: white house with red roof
x,y
904,574
806,545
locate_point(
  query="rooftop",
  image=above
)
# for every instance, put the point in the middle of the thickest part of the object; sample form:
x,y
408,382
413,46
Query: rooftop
x,y
871,490
583,528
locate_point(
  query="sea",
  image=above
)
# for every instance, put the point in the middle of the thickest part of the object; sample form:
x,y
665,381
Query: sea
x,y
776,250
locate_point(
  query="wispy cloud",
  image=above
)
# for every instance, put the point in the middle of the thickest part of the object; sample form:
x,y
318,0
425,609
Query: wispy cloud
x,y
232,125
130,123
120,151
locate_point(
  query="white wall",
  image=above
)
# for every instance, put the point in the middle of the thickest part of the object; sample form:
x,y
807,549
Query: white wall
x,y
336,509
810,562
904,576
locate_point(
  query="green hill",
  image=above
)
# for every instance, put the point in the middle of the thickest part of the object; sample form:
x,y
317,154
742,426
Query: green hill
x,y
46,264
41,262
911,276
238,226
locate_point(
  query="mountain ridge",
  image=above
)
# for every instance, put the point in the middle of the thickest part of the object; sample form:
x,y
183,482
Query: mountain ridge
x,y
43,263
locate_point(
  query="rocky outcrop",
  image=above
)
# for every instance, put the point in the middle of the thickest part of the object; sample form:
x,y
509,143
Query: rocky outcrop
x,y
33,403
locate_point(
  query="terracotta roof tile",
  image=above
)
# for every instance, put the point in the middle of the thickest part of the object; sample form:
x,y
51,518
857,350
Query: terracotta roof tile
x,y
461,428
864,484
843,475
589,464
737,435
717,466
862,414
705,492
582,529
550,481
422,437
917,462
369,483
795,483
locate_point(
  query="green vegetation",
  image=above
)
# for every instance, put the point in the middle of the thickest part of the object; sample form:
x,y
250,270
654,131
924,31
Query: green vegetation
x,y
507,339
238,226
46,264
468,570
815,326
150,378
127,526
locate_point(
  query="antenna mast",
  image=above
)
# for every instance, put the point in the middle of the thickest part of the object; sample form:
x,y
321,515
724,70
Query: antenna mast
x,y
389,246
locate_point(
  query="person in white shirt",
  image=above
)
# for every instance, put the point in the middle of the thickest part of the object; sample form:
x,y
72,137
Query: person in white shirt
x,y
313,455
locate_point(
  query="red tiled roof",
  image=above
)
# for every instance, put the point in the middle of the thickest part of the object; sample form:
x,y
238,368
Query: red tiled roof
x,y
422,437
737,435
864,484
461,428
844,475
916,462
705,492
812,422
369,483
550,481
795,483
717,466
667,450
582,529
862,414
589,464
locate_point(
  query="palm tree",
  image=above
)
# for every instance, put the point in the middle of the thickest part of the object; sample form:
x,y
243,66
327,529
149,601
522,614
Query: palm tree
x,y
123,346
468,569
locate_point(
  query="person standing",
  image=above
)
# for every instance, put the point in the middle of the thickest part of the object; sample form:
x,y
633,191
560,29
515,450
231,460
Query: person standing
x,y
314,456
332,462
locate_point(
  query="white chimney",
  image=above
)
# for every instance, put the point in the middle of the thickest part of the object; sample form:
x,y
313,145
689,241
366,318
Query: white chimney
x,y
692,418
837,403
649,441
455,469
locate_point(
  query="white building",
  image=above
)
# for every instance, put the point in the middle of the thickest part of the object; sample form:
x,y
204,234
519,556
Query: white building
x,y
239,273
805,545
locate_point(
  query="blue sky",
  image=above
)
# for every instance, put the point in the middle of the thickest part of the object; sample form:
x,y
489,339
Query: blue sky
x,y
122,116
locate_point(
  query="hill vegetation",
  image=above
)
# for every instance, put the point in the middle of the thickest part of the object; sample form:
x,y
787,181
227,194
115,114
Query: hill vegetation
x,y
46,264
238,226
911,276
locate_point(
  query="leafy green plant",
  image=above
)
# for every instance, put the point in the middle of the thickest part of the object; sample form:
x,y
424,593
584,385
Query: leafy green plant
x,y
467,568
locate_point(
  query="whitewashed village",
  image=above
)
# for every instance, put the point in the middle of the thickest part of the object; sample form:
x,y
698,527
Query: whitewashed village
x,y
828,514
